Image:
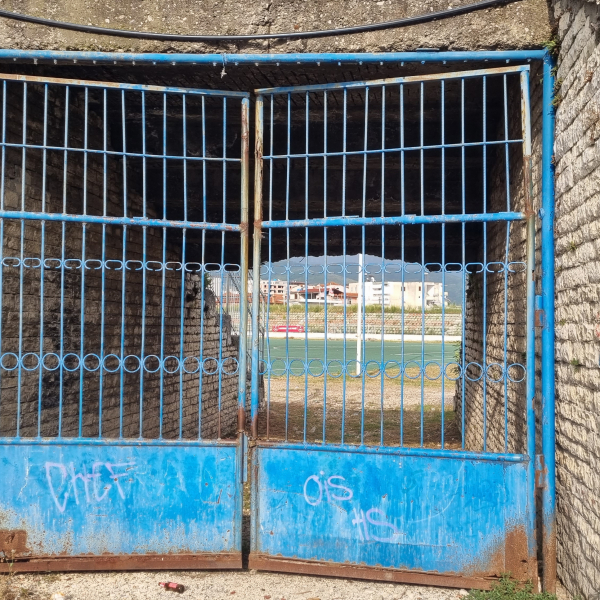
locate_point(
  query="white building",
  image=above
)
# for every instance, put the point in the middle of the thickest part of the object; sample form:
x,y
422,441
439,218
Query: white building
x,y
393,293
276,286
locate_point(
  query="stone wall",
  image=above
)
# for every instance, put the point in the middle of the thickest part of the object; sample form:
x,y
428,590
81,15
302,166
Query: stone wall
x,y
72,306
496,300
577,235
577,232
518,25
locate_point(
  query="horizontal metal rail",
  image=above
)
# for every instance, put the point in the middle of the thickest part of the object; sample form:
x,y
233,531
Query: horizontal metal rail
x,y
317,58
400,220
396,149
348,85
105,220
120,86
405,451
83,441
119,153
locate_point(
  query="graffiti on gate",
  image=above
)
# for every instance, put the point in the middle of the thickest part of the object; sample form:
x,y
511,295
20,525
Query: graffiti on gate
x,y
96,486
330,489
318,488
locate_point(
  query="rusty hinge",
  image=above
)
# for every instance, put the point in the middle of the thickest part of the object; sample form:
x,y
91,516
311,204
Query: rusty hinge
x,y
540,472
244,444
540,315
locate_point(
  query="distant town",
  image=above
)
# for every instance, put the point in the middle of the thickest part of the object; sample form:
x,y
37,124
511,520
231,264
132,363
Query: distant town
x,y
392,293
389,293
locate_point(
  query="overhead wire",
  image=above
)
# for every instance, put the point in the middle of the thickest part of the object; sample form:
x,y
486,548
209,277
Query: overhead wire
x,y
174,37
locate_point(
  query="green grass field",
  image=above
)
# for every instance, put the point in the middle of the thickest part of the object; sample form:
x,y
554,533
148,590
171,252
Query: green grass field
x,y
335,350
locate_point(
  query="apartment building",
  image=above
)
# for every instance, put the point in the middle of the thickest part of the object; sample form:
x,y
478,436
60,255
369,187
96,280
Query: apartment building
x,y
395,293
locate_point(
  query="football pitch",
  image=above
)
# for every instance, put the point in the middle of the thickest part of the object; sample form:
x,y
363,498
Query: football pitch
x,y
278,348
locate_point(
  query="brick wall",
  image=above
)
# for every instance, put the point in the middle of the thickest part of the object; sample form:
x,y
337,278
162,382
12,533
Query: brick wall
x,y
577,233
74,298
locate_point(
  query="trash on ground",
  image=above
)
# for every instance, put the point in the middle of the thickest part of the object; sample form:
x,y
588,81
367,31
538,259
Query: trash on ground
x,y
170,586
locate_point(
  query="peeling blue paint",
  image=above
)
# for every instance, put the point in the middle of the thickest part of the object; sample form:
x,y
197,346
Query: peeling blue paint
x,y
424,513
121,499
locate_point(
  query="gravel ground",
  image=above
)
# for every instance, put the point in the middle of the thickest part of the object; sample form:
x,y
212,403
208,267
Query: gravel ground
x,y
211,585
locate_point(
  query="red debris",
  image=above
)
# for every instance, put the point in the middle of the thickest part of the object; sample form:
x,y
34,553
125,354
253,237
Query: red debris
x,y
170,586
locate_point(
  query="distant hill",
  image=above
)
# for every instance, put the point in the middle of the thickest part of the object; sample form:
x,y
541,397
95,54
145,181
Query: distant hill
x,y
373,264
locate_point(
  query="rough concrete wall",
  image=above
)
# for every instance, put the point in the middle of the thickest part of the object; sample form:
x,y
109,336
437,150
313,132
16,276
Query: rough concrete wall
x,y
577,159
520,25
504,311
64,289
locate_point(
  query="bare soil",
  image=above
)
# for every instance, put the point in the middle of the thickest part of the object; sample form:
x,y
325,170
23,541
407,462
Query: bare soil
x,y
336,411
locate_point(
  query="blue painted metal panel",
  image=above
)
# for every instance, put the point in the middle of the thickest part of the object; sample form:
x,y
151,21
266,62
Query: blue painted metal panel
x,y
424,513
121,499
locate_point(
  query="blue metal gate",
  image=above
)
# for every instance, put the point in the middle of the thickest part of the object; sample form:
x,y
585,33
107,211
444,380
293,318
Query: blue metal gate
x,y
393,371
122,382
375,452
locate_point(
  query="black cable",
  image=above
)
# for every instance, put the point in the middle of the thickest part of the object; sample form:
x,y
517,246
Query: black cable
x,y
172,37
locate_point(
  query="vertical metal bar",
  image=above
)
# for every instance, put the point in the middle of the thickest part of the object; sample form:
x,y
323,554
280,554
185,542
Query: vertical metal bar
x,y
163,272
22,250
443,363
203,276
183,271
2,192
325,252
548,367
506,261
270,257
464,263
485,266
382,333
422,190
42,258
258,179
244,237
530,284
287,263
224,214
344,248
402,262
83,254
62,263
360,359
306,268
123,270
103,272
144,262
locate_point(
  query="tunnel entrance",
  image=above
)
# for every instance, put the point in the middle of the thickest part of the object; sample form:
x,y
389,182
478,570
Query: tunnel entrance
x,y
390,288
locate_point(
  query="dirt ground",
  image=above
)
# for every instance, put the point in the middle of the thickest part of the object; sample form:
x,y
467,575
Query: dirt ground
x,y
335,410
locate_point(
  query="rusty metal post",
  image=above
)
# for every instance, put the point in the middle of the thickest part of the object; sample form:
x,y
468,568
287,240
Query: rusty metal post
x,y
243,345
258,178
